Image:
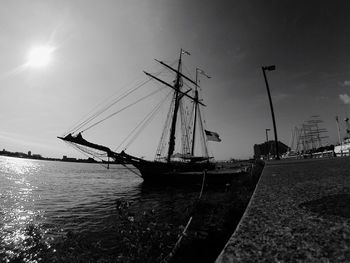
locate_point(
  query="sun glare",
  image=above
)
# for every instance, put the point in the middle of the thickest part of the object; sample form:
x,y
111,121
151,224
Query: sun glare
x,y
39,56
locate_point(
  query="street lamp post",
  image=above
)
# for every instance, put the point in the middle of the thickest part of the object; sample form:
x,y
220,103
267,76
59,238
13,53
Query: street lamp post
x,y
267,143
270,68
267,134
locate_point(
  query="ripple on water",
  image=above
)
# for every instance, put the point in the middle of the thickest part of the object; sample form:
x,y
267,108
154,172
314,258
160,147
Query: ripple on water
x,y
43,200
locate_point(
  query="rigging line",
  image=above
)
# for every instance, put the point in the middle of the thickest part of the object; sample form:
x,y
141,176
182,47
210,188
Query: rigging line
x,y
186,85
85,152
184,129
146,123
108,106
96,114
122,109
94,110
202,127
132,170
141,123
100,111
149,115
166,129
187,71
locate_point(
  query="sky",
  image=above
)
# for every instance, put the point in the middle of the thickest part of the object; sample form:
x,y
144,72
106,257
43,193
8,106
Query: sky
x,y
102,47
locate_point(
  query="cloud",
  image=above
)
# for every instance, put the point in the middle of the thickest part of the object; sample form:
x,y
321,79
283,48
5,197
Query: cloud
x,y
345,83
345,98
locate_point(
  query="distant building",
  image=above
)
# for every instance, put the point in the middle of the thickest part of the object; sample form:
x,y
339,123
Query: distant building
x,y
20,154
68,159
37,156
266,149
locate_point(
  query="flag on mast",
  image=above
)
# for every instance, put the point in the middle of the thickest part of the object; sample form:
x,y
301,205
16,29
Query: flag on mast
x,y
185,52
212,136
203,73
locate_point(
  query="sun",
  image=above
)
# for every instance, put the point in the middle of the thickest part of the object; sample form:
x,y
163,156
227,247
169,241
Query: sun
x,y
39,56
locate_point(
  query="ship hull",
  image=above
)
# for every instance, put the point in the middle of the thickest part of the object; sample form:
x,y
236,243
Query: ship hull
x,y
186,173
155,172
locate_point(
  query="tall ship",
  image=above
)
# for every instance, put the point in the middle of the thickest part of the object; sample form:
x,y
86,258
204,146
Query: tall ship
x,y
343,148
184,127
307,140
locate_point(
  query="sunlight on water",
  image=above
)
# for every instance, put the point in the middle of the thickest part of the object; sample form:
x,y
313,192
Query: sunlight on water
x,y
17,206
19,166
53,211
42,201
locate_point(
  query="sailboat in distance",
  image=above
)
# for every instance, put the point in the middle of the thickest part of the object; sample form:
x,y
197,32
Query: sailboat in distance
x,y
184,123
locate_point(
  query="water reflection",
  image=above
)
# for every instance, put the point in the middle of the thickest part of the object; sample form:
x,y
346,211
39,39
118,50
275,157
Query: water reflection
x,y
42,201
17,207
74,209
19,166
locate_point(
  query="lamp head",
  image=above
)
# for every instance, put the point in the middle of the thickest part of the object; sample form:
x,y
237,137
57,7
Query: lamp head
x,y
269,68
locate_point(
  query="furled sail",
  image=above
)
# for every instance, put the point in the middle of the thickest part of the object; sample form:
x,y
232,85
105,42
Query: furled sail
x,y
81,141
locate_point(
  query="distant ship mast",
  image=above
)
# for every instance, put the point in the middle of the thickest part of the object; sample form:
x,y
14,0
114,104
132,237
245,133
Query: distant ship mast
x,y
308,136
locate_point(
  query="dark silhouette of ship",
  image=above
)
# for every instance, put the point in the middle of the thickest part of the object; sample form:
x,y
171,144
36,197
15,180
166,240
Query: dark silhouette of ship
x,y
169,167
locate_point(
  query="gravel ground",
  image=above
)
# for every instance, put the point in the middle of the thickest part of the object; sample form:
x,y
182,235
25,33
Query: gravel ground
x,y
300,212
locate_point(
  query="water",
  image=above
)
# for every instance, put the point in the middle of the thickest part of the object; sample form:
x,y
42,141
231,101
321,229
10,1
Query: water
x,y
44,203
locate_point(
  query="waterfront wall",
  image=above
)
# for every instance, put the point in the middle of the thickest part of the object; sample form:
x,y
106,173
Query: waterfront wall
x,y
300,211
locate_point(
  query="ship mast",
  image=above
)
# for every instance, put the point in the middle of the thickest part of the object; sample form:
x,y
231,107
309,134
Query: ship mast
x,y
177,98
178,95
195,114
